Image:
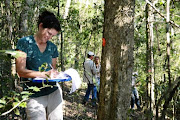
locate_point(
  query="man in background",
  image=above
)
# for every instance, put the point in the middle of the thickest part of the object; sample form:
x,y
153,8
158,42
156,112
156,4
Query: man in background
x,y
90,78
135,94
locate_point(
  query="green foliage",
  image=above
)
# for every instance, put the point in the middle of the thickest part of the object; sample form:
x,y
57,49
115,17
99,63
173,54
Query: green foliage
x,y
11,100
36,89
159,51
82,28
43,67
2,103
14,54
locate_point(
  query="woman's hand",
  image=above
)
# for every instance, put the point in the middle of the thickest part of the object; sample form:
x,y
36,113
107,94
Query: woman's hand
x,y
50,74
54,73
45,74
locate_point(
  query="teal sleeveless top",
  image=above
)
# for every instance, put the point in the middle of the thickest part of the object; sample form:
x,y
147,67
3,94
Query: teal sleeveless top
x,y
35,58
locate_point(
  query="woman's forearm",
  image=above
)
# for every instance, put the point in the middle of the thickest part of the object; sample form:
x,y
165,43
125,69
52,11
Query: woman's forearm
x,y
32,74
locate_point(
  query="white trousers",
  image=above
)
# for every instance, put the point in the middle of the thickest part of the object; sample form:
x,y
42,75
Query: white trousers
x,y
47,107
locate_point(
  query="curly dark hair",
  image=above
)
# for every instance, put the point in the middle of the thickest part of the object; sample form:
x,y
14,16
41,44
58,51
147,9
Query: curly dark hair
x,y
49,20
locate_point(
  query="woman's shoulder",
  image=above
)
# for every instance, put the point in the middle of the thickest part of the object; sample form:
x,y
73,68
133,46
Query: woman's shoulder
x,y
27,39
51,44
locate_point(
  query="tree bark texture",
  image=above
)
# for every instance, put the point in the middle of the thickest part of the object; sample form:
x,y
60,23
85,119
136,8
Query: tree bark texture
x,y
6,82
117,60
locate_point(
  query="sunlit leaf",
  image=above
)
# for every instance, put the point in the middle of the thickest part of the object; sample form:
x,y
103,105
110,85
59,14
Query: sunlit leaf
x,y
161,3
25,96
15,54
14,103
2,101
36,89
25,93
23,104
16,111
16,98
1,106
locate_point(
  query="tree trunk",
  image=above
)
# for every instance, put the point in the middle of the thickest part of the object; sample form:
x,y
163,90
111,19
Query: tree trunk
x,y
117,60
66,9
150,58
76,63
24,19
152,80
5,61
168,41
60,38
147,60
168,58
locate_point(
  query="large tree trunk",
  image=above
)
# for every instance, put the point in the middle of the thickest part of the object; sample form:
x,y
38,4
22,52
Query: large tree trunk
x,y
117,60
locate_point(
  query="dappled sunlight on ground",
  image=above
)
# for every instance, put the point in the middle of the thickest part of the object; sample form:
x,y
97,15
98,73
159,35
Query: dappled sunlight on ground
x,y
73,107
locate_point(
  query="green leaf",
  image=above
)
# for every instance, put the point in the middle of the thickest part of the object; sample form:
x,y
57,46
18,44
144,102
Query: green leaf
x,y
15,54
16,111
2,101
161,3
25,96
171,10
1,106
25,93
16,98
23,104
14,103
36,89
43,67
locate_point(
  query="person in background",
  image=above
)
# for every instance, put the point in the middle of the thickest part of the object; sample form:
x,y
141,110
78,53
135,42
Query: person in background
x,y
98,68
90,78
46,103
135,94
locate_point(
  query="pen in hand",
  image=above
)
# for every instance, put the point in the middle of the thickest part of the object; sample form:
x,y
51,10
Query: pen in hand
x,y
54,72
51,66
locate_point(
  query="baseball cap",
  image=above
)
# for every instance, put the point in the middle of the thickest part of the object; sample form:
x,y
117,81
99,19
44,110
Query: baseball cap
x,y
135,73
90,53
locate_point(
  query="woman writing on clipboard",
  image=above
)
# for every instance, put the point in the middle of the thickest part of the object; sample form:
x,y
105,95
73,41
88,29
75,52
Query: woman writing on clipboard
x,y
46,103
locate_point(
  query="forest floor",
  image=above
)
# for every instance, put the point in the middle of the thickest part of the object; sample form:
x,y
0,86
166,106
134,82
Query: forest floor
x,y
75,110
73,107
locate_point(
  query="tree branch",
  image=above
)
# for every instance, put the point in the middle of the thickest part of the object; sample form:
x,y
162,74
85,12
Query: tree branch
x,y
14,107
168,99
169,90
171,22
